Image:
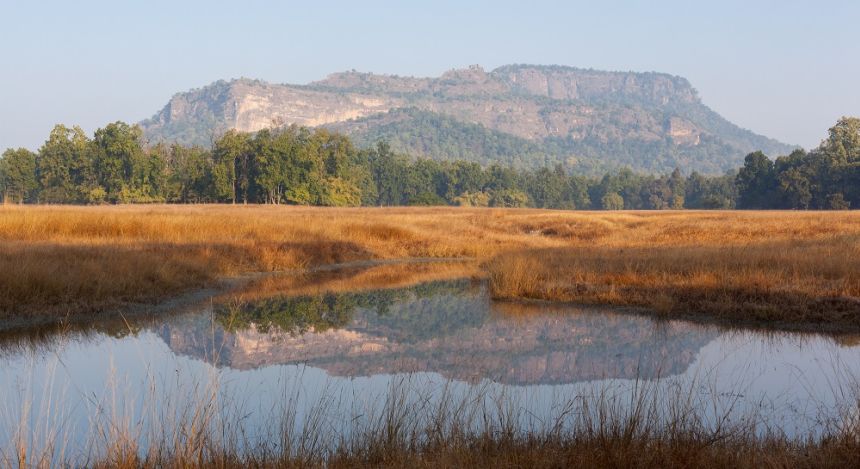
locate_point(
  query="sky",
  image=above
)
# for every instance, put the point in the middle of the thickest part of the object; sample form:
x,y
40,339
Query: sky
x,y
786,69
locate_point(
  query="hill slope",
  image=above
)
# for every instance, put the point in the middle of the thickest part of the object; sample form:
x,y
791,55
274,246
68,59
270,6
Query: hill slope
x,y
518,114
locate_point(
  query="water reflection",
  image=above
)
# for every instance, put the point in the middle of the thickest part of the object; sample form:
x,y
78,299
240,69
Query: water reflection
x,y
356,331
446,327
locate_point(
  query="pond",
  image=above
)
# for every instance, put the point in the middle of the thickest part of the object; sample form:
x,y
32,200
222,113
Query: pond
x,y
280,357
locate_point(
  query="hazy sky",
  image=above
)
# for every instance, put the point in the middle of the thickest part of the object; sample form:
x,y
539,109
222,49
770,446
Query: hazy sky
x,y
786,69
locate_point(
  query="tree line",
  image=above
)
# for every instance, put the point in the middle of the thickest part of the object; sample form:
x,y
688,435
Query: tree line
x,y
297,165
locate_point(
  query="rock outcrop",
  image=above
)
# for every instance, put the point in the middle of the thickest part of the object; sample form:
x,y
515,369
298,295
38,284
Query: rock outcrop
x,y
596,119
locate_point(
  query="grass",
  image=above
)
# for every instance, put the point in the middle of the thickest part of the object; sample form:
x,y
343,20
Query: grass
x,y
787,269
381,276
73,260
788,284
648,427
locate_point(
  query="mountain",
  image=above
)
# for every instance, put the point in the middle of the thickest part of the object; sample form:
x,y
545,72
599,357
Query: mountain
x,y
523,115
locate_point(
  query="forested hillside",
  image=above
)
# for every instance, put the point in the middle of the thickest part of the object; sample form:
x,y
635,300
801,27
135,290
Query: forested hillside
x,y
525,115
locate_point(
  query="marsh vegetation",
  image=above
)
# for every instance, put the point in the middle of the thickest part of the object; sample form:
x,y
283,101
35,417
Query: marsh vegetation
x,y
781,269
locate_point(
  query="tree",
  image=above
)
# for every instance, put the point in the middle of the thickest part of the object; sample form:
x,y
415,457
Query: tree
x,y
319,167
756,182
472,199
843,141
577,193
229,152
659,194
838,162
509,198
717,192
837,202
54,167
340,193
612,201
387,170
18,176
548,187
466,177
677,187
272,156
190,175
125,171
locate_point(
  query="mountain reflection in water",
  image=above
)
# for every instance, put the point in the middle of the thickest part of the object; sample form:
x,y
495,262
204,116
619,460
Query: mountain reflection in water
x,y
345,340
447,327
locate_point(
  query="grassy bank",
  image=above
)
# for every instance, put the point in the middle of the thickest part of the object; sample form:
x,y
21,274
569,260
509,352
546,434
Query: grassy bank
x,y
770,267
72,260
788,284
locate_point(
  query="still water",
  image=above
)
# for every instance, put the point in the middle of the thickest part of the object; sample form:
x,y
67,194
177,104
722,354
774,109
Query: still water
x,y
339,356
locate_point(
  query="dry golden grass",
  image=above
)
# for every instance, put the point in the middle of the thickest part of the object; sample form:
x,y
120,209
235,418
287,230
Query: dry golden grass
x,y
801,273
82,259
771,266
352,279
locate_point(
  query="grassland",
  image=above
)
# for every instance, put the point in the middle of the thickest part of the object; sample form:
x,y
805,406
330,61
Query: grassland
x,y
787,269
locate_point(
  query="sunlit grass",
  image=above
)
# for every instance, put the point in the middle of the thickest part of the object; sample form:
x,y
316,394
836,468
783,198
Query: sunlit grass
x,y
796,283
799,267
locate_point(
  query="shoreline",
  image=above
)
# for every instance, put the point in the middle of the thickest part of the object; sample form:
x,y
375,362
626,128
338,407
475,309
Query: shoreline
x,y
778,270
179,303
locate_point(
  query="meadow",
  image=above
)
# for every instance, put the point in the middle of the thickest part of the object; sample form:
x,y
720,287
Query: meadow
x,y
781,269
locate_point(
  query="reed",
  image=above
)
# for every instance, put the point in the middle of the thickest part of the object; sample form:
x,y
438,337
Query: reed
x,y
646,425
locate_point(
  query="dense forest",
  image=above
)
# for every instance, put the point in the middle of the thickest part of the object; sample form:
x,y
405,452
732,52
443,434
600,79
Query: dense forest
x,y
297,165
436,136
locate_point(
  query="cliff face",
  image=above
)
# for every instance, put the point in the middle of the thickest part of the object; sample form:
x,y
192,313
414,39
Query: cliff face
x,y
595,119
251,105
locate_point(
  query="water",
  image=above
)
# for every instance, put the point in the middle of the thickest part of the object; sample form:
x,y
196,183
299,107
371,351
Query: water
x,y
345,353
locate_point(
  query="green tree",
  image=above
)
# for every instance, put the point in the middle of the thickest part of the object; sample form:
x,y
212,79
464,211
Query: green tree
x,y
125,171
472,199
55,163
756,182
509,198
837,161
548,188
843,141
612,201
340,193
229,153
18,176
190,175
797,180
387,170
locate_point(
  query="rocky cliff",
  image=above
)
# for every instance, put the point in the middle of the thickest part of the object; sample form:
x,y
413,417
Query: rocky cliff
x,y
518,114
